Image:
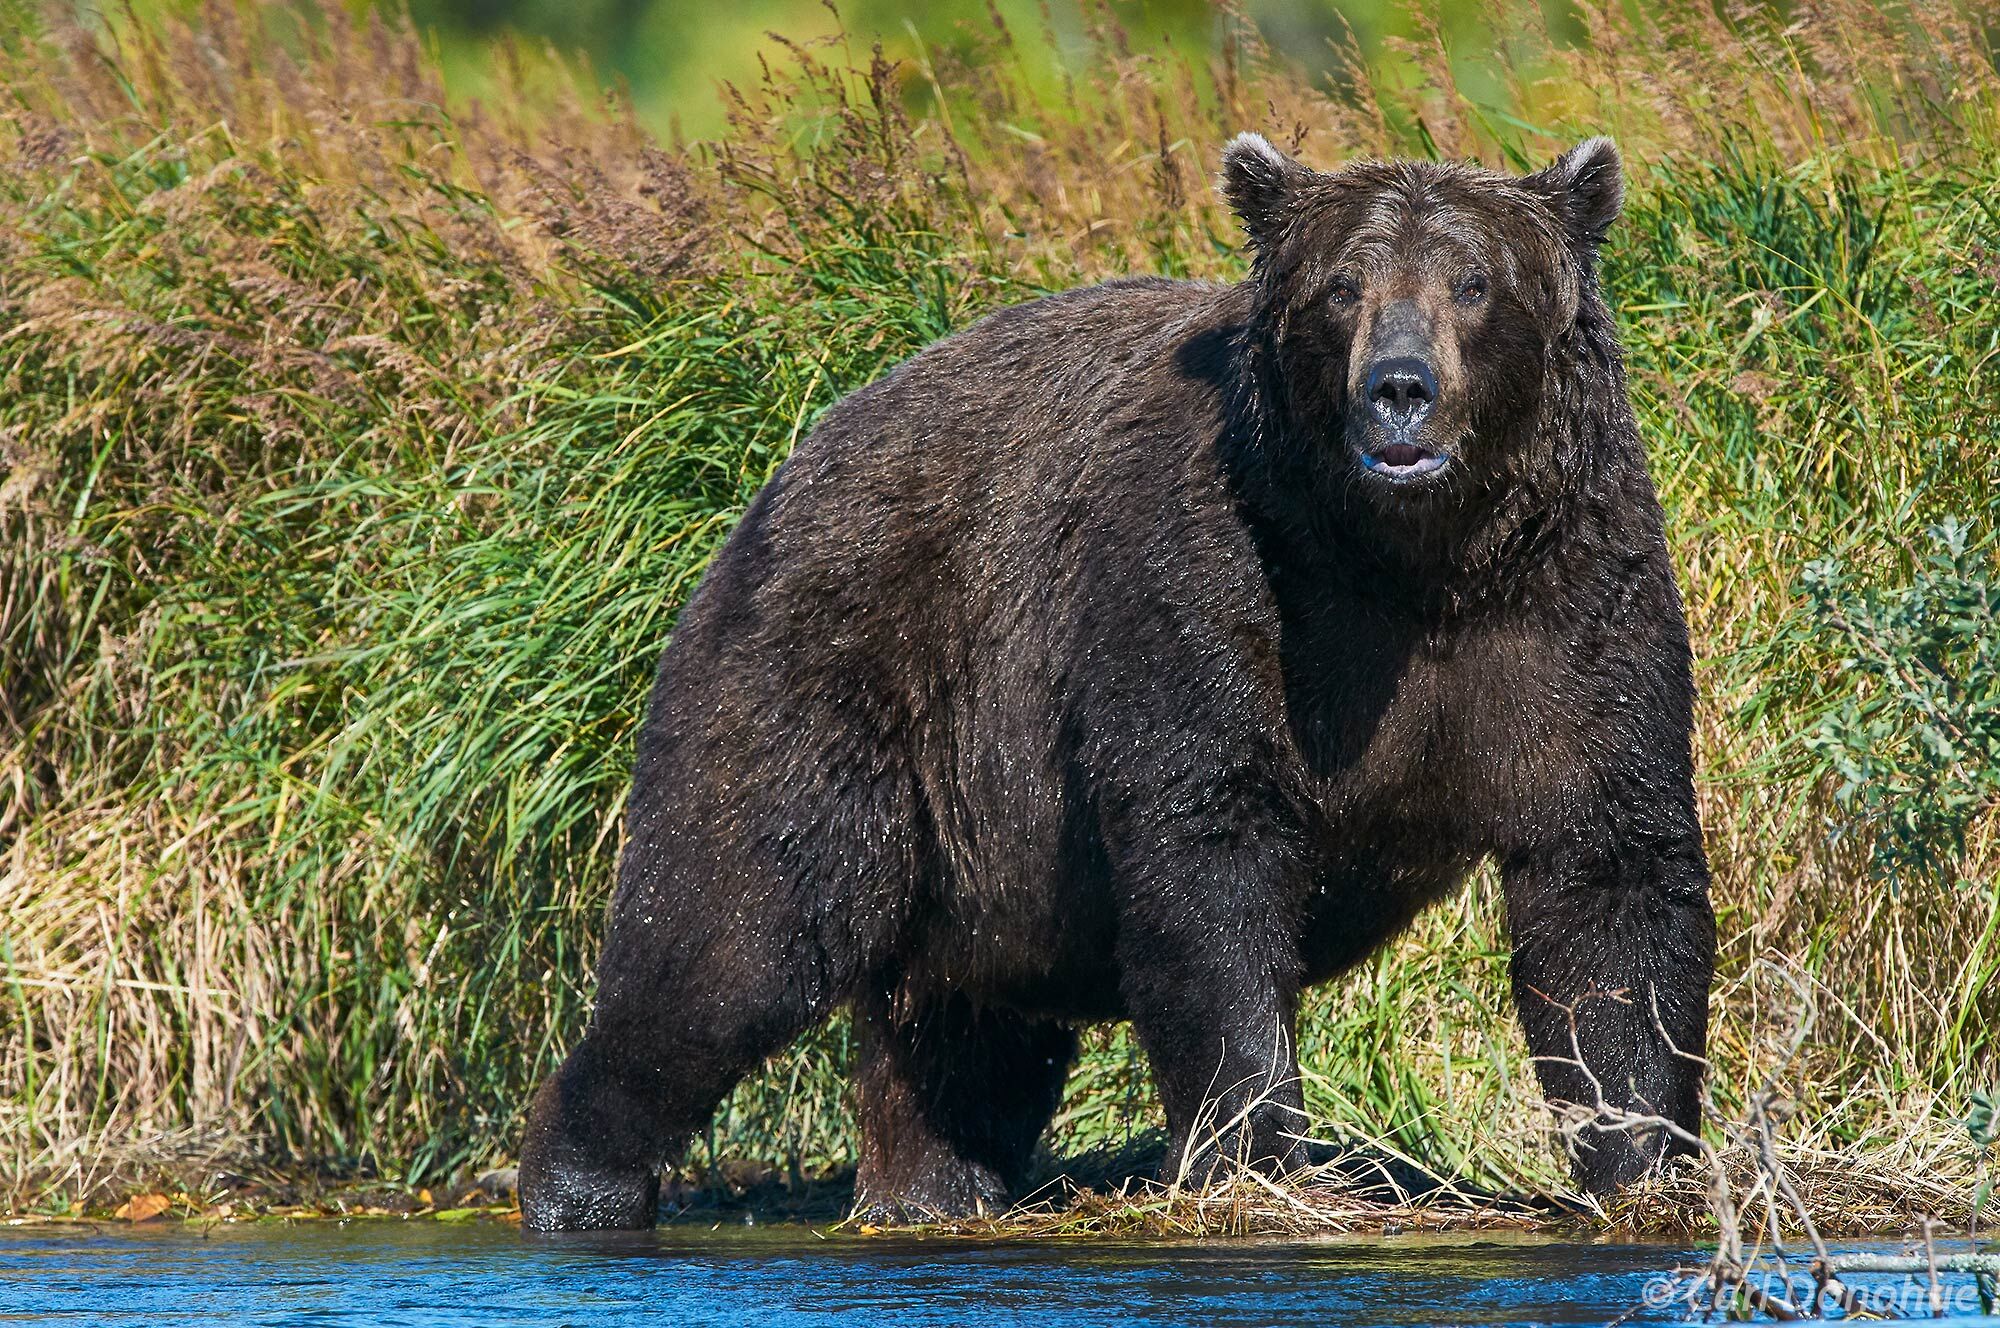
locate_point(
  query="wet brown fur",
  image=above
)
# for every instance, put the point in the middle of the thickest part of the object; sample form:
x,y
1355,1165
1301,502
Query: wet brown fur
x,y
1078,670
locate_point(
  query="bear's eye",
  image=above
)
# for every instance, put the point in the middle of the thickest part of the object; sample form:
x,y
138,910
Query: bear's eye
x,y
1472,289
1344,291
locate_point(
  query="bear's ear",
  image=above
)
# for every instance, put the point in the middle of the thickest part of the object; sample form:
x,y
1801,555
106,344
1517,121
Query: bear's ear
x,y
1258,180
1586,185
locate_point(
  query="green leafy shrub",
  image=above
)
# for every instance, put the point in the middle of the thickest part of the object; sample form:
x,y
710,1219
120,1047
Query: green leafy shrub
x,y
1915,741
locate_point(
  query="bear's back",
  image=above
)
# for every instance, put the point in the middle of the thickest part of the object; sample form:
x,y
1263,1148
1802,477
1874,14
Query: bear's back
x,y
1026,397
939,502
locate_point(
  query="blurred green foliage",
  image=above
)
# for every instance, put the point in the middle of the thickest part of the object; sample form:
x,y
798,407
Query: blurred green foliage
x,y
672,57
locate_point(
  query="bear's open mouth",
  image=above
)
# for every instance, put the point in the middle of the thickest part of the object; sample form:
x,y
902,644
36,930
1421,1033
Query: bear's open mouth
x,y
1402,461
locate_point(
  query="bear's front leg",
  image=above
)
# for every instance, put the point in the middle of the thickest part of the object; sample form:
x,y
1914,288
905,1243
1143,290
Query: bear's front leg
x,y
1614,950
1209,972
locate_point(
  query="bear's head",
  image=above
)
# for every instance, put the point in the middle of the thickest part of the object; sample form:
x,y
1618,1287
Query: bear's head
x,y
1409,313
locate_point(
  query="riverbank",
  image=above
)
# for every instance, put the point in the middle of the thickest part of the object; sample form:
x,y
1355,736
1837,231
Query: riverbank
x,y
1112,1195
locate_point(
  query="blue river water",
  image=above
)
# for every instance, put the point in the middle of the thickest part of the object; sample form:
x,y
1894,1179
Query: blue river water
x,y
380,1273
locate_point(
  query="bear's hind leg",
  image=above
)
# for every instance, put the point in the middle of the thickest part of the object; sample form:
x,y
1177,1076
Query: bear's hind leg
x,y
953,1099
672,1034
594,1145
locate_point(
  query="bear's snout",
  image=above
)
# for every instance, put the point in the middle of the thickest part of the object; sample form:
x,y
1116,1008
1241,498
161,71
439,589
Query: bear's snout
x,y
1400,391
1399,394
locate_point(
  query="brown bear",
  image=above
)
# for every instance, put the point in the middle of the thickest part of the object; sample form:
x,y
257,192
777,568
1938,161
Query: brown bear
x,y
1152,651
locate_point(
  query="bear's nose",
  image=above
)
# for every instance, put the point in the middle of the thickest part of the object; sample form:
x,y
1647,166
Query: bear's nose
x,y
1401,389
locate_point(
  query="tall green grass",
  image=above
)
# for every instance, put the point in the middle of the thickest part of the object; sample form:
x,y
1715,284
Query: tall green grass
x,y
360,447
